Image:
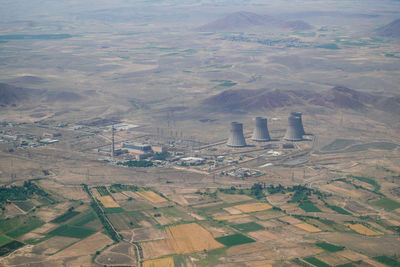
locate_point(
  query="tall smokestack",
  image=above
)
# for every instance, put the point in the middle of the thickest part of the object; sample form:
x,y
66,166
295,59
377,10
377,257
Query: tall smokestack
x,y
261,133
298,114
236,138
294,131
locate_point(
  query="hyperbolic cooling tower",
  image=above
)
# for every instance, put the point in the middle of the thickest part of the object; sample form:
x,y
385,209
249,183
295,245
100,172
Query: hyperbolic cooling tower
x,y
261,133
298,114
294,130
236,138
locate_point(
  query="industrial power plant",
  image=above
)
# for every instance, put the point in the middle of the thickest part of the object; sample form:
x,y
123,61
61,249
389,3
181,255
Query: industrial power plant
x,y
236,137
261,133
294,131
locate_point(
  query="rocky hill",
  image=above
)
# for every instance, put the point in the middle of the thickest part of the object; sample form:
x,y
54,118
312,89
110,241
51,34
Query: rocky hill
x,y
267,99
390,30
237,20
14,95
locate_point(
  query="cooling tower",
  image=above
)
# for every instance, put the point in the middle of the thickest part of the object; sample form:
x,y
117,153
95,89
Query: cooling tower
x,y
261,133
294,130
298,114
236,138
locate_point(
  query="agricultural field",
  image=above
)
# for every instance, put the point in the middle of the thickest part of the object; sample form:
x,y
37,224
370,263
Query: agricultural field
x,y
108,202
188,238
151,196
163,262
253,207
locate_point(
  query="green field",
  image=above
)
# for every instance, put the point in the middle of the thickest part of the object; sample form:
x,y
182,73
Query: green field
x,y
248,227
26,226
387,261
233,240
24,205
316,262
10,247
102,191
329,247
72,231
4,240
375,145
126,220
387,204
308,207
84,219
8,224
339,210
370,181
113,210
338,144
65,217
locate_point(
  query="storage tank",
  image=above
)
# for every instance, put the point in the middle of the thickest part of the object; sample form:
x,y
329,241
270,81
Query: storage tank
x,y
261,133
236,137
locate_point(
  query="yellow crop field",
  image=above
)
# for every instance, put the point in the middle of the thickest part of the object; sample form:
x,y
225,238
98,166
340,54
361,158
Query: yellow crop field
x,y
230,217
108,202
151,196
253,207
164,262
189,238
361,229
308,227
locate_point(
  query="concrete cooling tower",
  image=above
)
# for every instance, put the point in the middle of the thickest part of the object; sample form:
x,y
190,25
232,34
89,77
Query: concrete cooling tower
x,y
236,138
294,131
298,114
261,133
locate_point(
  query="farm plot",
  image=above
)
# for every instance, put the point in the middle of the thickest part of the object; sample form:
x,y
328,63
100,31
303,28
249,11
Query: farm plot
x,y
151,196
248,227
108,202
72,231
332,259
232,210
235,239
232,198
164,262
125,221
53,244
361,229
230,217
146,234
115,259
387,204
65,217
87,246
25,205
188,238
253,207
26,226
329,247
157,248
4,240
10,247
307,227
